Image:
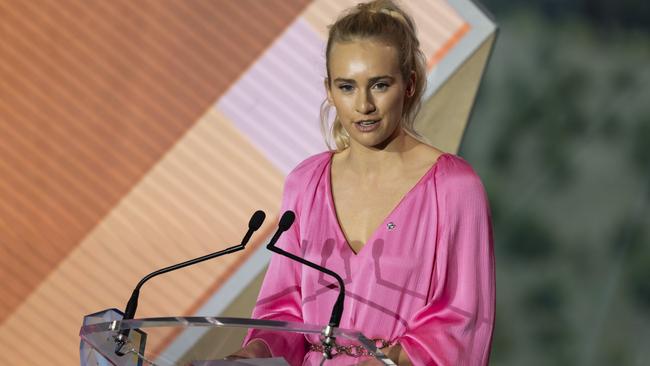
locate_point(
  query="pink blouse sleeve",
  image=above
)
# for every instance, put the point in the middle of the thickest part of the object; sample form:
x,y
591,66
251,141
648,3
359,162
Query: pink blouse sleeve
x,y
280,294
455,328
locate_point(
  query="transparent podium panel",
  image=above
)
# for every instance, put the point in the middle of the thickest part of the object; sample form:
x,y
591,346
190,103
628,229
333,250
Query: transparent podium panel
x,y
188,341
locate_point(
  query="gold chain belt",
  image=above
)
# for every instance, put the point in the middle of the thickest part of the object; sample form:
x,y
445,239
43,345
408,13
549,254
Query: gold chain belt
x,y
351,350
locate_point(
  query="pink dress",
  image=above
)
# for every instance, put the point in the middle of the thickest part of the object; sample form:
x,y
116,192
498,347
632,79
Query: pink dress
x,y
424,279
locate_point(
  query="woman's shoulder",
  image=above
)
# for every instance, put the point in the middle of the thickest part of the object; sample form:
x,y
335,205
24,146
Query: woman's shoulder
x,y
454,166
455,174
446,164
308,168
450,171
311,163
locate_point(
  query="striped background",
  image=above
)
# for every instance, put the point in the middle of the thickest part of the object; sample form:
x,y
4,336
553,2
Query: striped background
x,y
134,135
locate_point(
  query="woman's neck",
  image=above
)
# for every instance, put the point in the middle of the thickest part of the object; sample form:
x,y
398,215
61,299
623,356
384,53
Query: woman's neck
x,y
371,161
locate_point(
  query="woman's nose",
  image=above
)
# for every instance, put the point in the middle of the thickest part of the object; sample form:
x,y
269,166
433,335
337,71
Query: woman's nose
x,y
365,103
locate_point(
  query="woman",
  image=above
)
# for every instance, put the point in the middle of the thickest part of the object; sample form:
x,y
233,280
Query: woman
x,y
406,225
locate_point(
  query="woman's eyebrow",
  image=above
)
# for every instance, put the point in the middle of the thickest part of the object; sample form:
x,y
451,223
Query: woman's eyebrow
x,y
370,81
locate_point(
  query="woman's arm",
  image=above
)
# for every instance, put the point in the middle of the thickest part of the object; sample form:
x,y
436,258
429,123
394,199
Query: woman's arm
x,y
455,327
254,349
395,353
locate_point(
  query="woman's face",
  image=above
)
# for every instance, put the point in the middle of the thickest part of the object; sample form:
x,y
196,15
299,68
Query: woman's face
x,y
367,90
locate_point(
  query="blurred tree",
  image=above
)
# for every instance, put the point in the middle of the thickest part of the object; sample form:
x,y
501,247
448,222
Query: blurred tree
x,y
560,135
604,14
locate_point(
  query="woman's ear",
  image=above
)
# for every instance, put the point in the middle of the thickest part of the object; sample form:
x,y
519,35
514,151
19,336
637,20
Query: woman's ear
x,y
410,89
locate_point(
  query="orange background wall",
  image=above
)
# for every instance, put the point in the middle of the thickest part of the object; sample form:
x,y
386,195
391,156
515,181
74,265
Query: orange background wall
x,y
113,161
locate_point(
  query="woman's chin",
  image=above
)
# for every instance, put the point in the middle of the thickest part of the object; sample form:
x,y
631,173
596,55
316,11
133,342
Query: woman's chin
x,y
377,140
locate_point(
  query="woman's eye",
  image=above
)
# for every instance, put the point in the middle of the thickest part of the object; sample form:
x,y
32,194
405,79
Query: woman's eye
x,y
345,88
381,86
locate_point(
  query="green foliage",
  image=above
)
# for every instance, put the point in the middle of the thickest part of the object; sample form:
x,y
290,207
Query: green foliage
x,y
561,137
526,239
641,145
602,14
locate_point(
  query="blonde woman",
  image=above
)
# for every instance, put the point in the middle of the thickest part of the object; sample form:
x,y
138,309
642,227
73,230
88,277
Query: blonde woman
x,y
406,225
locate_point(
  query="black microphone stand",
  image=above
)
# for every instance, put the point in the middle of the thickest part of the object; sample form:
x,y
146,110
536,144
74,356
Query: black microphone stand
x,y
328,340
129,312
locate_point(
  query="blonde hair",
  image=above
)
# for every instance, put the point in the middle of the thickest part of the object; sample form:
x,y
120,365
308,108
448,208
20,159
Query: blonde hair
x,y
384,21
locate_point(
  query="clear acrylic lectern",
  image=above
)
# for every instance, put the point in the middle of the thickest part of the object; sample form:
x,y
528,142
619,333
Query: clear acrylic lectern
x,y
187,341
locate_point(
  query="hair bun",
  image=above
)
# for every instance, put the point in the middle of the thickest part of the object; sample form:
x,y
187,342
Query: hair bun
x,y
387,7
393,13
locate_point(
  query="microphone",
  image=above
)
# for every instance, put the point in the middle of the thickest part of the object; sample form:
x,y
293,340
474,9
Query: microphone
x,y
285,223
129,312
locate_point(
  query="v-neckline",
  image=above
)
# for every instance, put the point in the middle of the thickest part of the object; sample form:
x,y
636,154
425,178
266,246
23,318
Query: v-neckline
x,y
333,212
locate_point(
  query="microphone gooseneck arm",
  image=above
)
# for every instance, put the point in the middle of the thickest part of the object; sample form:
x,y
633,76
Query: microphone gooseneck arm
x,y
132,304
129,312
286,221
337,310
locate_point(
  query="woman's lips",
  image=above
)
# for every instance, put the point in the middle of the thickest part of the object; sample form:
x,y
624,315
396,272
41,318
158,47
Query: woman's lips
x,y
367,127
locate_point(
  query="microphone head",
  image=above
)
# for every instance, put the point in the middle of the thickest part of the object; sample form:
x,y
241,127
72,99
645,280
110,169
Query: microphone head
x,y
256,220
286,220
